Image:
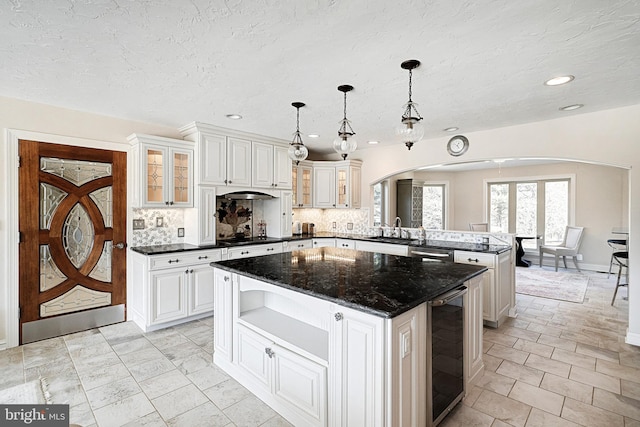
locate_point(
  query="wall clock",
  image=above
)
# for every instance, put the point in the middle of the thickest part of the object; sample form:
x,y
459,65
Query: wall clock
x,y
458,145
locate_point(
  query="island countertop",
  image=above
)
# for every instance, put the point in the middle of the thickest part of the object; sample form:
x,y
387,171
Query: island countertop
x,y
379,284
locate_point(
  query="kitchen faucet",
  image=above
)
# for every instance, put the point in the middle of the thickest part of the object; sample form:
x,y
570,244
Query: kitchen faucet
x,y
397,223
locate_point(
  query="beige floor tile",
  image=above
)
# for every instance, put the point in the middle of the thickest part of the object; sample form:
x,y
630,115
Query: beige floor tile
x,y
194,363
595,379
536,397
205,415
520,333
600,353
580,337
590,416
502,408
81,415
124,411
151,420
164,383
112,392
573,358
143,355
496,383
208,377
533,347
630,389
179,401
277,421
249,412
521,373
151,369
463,416
132,346
628,422
619,371
569,388
508,353
500,423
550,331
491,363
558,342
499,338
472,395
630,357
555,367
227,393
103,375
539,418
617,403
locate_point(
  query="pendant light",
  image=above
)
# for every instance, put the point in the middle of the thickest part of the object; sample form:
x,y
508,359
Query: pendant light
x,y
410,130
297,151
345,143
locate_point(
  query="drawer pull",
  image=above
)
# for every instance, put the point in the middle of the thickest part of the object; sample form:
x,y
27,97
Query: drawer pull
x,y
338,316
203,257
244,253
473,260
269,352
269,249
173,260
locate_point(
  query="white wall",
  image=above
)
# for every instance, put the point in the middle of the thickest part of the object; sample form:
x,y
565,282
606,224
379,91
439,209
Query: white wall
x,y
609,137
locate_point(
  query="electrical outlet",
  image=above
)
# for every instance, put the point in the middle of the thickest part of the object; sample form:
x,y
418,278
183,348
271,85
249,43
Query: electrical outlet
x,y
349,226
159,221
334,225
138,224
180,232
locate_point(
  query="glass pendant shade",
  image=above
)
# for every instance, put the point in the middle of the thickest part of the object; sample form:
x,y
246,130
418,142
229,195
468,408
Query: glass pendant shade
x,y
410,130
345,143
297,151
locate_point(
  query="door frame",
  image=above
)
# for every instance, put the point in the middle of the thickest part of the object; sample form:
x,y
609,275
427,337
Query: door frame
x,y
11,243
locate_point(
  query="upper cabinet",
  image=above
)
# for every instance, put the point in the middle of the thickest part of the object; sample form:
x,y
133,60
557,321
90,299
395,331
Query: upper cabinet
x,y
302,184
233,158
163,171
337,184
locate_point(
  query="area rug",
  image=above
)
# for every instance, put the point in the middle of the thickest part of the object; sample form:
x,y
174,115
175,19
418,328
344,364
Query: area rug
x,y
561,285
35,392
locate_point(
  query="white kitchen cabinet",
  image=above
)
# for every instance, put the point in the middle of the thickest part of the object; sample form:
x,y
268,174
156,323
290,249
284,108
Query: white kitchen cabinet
x,y
165,290
239,162
383,248
296,245
302,181
200,222
282,178
497,284
321,242
249,251
223,309
474,365
164,172
337,184
278,214
345,243
271,166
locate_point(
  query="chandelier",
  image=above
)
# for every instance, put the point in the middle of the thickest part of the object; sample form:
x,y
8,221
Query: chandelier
x,y
410,130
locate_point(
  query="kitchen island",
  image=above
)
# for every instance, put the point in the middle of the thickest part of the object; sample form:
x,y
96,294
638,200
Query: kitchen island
x,y
339,337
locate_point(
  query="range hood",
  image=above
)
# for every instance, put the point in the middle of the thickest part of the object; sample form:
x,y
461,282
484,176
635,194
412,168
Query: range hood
x,y
246,195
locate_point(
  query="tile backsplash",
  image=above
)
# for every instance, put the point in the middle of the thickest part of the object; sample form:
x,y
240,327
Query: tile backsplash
x,y
325,218
172,219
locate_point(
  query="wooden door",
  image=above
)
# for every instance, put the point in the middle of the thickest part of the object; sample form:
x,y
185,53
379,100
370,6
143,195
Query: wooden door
x,y
72,221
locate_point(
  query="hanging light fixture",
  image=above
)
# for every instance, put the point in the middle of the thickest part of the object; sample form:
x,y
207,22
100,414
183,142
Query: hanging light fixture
x,y
411,130
345,143
297,151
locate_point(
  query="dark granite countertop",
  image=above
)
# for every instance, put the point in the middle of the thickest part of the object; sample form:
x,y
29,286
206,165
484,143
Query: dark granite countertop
x,y
379,284
440,244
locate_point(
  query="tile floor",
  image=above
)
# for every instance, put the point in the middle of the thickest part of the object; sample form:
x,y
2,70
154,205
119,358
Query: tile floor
x,y
556,364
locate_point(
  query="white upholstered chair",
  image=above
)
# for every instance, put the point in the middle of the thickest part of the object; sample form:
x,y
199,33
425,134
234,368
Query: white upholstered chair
x,y
569,247
480,226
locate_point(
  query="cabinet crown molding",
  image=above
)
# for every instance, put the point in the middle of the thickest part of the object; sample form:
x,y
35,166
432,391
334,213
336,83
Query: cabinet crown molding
x,y
188,131
137,138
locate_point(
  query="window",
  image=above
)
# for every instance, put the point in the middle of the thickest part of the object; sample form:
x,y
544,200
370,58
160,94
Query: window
x,y
530,208
433,206
377,204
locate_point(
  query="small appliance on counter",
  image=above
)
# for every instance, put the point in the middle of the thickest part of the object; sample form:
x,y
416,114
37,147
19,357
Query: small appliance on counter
x,y
308,228
297,228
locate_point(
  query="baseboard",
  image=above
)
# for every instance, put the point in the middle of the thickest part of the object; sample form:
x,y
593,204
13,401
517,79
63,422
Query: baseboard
x,y
632,338
549,262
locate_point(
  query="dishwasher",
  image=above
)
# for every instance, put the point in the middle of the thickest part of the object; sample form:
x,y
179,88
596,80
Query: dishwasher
x,y
445,354
431,254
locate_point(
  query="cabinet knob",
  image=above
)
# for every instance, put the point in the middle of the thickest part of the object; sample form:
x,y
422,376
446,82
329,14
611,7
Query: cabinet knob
x,y
203,257
171,203
229,181
275,185
225,181
186,271
191,271
338,316
226,278
269,352
173,260
166,203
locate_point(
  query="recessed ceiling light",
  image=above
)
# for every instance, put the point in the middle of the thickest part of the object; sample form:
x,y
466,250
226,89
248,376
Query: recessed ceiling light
x,y
313,135
372,142
234,116
571,107
451,129
560,80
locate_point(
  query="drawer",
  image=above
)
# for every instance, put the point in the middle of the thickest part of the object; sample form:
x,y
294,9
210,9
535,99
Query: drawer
x,y
345,243
254,250
477,258
179,259
296,245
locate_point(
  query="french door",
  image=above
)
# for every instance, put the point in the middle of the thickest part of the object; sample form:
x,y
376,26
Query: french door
x,y
72,221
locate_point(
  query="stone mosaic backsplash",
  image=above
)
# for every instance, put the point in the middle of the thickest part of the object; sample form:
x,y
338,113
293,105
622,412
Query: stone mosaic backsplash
x,y
153,233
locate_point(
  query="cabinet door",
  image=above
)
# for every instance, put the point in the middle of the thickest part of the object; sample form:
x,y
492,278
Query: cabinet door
x,y
355,187
294,186
342,186
473,332
504,285
201,280
253,355
322,243
181,176
262,170
356,352
223,314
305,187
300,383
168,295
282,168
213,159
206,216
155,173
345,243
489,296
238,162
324,187
286,203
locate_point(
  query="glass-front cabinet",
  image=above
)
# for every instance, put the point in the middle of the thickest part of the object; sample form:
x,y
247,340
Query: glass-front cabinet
x,y
302,185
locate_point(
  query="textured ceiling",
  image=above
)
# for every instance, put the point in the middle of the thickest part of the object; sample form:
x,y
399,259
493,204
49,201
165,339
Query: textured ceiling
x,y
172,62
